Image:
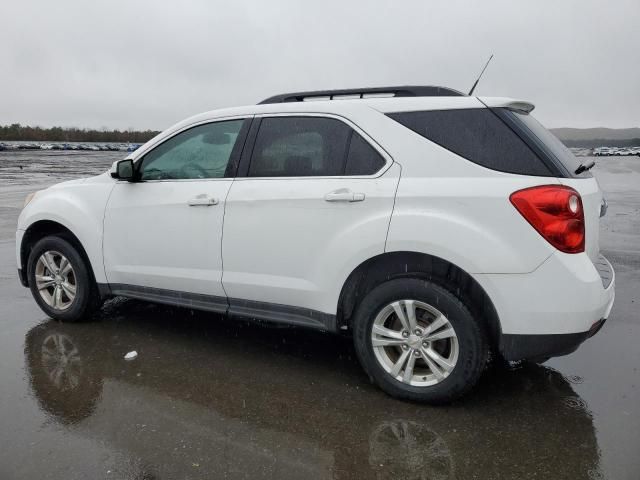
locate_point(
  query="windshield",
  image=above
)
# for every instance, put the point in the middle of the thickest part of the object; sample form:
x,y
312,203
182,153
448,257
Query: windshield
x,y
549,141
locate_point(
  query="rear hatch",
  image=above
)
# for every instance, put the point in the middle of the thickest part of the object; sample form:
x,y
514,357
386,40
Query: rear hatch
x,y
584,183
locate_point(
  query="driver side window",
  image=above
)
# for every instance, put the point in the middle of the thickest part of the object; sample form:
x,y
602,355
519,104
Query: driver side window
x,y
200,152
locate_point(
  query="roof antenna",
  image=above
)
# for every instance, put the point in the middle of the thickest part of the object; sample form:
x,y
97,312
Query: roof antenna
x,y
480,76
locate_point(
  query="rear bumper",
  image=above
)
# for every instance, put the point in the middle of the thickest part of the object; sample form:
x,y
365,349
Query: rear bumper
x,y
541,347
552,310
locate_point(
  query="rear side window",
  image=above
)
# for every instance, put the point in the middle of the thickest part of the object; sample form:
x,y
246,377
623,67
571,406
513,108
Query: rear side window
x,y
542,138
362,159
477,135
299,147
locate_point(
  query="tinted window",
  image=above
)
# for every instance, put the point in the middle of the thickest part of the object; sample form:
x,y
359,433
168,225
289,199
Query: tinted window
x,y
477,135
200,152
548,141
299,147
362,159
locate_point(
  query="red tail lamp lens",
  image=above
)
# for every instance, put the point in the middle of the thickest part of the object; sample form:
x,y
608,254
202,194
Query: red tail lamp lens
x,y
555,212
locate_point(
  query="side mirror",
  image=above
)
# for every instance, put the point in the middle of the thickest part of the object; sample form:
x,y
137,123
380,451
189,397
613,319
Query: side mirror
x,y
122,170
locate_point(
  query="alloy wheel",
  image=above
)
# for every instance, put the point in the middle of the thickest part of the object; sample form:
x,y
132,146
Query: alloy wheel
x,y
55,280
415,343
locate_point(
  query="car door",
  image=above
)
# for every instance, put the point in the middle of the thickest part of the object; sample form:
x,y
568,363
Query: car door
x,y
312,200
163,232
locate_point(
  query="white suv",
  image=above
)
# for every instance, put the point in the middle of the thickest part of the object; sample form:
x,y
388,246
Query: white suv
x,y
435,228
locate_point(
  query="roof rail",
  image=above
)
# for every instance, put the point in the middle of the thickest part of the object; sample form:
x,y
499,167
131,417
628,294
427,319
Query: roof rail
x,y
402,91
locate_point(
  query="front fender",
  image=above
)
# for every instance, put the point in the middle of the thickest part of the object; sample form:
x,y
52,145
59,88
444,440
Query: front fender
x,y
77,206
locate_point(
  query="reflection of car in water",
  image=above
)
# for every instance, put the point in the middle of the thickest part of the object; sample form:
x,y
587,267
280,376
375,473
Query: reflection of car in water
x,y
409,449
238,411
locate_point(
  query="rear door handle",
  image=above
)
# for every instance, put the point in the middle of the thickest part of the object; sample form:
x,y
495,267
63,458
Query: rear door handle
x,y
344,195
202,200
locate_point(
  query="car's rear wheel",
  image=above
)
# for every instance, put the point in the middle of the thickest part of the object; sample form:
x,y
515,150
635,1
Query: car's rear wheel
x,y
60,280
419,341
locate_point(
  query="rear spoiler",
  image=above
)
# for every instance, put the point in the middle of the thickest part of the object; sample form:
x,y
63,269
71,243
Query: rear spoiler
x,y
510,103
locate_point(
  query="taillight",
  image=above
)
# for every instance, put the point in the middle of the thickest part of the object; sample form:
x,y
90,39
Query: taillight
x,y
555,211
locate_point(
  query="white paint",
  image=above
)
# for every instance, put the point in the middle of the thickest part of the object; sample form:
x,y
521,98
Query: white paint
x,y
155,238
284,243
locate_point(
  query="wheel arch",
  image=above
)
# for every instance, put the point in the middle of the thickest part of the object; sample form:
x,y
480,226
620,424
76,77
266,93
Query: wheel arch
x,y
44,228
406,264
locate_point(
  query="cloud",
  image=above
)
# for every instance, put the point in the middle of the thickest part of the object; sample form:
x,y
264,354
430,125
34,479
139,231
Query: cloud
x,y
147,64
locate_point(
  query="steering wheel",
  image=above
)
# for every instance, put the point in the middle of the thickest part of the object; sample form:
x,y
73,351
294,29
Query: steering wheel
x,y
184,171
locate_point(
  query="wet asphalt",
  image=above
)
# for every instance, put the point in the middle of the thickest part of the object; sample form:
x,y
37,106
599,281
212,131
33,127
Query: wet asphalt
x,y
210,397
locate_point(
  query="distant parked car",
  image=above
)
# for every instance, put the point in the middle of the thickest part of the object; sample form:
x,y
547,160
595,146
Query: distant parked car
x,y
601,151
29,146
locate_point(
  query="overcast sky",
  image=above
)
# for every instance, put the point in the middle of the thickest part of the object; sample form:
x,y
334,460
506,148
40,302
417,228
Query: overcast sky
x,y
147,64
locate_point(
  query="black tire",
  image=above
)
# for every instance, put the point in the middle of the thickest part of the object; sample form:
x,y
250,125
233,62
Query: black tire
x,y
87,299
472,340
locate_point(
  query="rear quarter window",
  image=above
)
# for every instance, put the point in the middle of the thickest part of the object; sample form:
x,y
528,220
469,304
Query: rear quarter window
x,y
548,145
478,135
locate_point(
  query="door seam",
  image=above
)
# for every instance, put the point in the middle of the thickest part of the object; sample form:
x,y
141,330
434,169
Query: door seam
x,y
393,208
104,219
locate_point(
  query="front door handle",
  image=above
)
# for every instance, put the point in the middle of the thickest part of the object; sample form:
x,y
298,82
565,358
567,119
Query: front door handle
x,y
202,200
344,195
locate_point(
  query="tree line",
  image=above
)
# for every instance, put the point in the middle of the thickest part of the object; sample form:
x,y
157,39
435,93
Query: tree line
x,y
602,142
19,132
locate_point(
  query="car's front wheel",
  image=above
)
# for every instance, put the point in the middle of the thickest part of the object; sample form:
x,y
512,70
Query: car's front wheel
x,y
60,280
419,341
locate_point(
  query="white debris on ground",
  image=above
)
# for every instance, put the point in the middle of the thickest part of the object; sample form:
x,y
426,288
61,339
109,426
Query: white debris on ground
x,y
131,355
